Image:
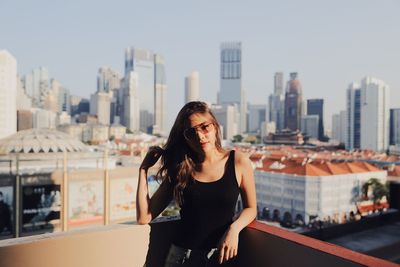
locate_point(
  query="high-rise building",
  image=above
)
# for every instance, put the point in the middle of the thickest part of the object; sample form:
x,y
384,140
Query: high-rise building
x,y
8,94
231,90
395,126
316,107
339,127
130,112
192,87
257,115
374,114
151,87
353,114
24,120
227,117
276,102
24,101
293,103
108,79
37,85
310,125
160,88
100,106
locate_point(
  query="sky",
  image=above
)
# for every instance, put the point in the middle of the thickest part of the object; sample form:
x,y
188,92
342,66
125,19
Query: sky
x,y
329,43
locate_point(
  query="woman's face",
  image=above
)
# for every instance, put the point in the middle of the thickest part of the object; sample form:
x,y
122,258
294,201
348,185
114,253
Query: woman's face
x,y
202,132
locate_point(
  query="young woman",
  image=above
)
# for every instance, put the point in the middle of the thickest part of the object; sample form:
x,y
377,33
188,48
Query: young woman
x,y
205,180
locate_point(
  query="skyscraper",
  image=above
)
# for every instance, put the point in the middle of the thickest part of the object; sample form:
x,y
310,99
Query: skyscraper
x,y
395,126
100,106
310,125
293,103
37,85
257,115
231,91
108,79
276,102
316,107
374,114
339,127
353,113
160,88
192,87
8,94
130,112
226,116
151,87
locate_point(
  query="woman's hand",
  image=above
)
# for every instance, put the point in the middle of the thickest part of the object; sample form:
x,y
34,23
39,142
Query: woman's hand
x,y
228,245
151,157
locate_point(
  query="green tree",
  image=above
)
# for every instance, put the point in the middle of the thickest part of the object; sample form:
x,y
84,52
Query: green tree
x,y
237,138
379,190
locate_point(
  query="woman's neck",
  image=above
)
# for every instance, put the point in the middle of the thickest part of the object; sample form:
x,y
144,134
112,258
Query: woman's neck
x,y
212,156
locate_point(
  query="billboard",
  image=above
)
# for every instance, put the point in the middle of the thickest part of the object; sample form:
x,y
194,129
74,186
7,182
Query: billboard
x,y
86,202
123,199
41,206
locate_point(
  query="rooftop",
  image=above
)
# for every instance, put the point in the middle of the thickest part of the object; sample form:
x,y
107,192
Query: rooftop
x,y
130,245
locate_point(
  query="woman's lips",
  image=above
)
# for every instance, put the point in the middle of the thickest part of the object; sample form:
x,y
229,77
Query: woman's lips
x,y
204,143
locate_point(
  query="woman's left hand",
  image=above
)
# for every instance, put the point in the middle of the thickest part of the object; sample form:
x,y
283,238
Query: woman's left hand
x,y
228,245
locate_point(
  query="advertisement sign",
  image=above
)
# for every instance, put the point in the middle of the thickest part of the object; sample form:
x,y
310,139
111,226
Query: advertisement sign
x,y
123,199
86,202
41,206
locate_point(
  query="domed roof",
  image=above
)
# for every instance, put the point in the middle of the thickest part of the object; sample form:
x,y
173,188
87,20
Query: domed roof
x,y
40,141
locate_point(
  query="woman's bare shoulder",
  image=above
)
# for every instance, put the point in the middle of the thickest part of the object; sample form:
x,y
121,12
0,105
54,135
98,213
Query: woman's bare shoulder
x,y
241,158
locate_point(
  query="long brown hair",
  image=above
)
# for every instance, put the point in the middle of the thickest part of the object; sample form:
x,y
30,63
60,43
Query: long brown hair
x,y
179,160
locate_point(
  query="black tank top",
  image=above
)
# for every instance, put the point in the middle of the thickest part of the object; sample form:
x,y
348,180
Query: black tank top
x,y
208,209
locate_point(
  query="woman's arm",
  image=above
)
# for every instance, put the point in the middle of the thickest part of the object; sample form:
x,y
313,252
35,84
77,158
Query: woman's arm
x,y
229,244
149,208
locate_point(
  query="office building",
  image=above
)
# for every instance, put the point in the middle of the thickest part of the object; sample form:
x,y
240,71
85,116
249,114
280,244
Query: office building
x,y
192,87
293,103
339,127
316,107
108,80
310,126
8,94
257,115
160,94
231,90
374,114
395,126
276,102
353,113
100,106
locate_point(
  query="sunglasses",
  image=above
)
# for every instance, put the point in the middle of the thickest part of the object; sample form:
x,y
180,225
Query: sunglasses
x,y
190,134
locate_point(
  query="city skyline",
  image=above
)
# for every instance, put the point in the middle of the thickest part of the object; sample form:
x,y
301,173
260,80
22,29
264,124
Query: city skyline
x,y
329,45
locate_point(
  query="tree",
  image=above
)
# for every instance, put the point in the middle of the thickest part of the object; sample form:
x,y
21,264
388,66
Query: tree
x,y
237,138
378,190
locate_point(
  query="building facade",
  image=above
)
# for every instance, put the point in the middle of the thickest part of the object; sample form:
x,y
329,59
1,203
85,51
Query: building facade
x,y
293,103
374,114
192,87
8,94
310,126
353,113
395,126
231,90
316,107
276,102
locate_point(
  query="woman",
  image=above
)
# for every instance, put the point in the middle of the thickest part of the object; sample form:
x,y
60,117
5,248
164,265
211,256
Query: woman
x,y
205,181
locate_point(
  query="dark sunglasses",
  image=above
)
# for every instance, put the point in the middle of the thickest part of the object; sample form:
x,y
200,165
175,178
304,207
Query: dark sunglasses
x,y
190,134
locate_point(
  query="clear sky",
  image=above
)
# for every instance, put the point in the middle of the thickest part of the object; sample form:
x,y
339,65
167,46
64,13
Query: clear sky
x,y
329,43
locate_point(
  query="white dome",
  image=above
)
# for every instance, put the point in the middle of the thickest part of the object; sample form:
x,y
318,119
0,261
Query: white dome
x,y
40,141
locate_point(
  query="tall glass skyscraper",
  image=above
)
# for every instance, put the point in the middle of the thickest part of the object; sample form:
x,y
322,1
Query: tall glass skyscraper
x,y
316,107
353,113
151,87
231,91
160,87
293,103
